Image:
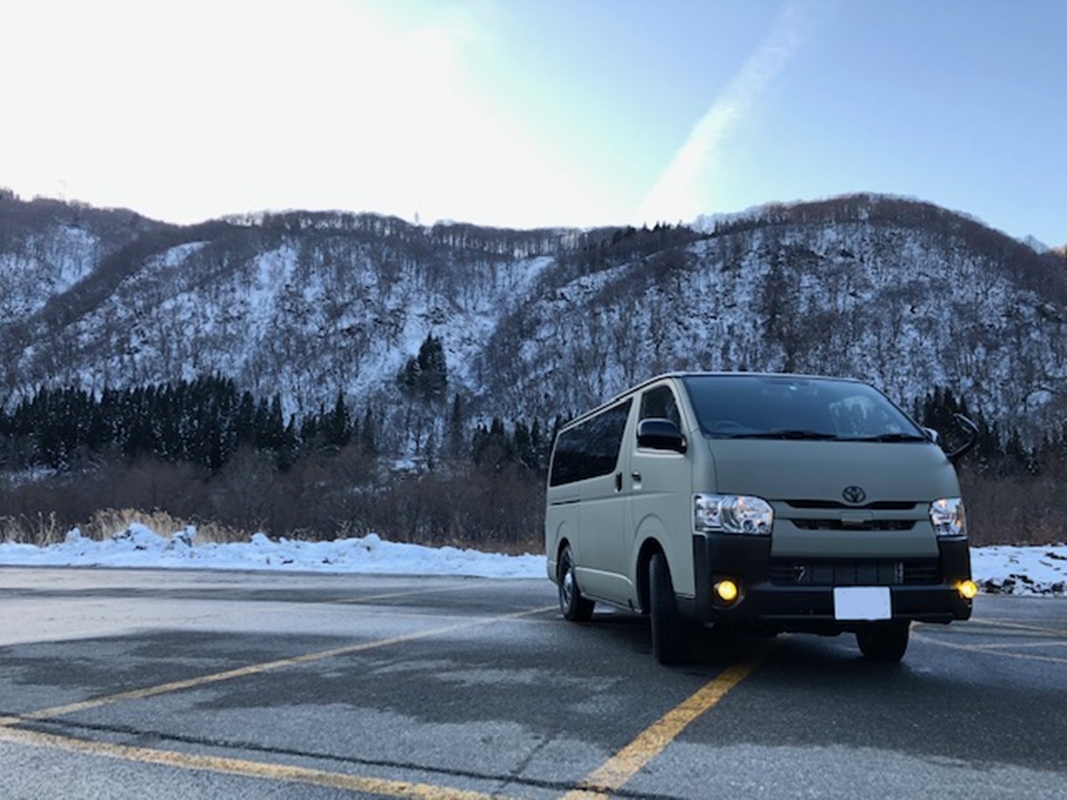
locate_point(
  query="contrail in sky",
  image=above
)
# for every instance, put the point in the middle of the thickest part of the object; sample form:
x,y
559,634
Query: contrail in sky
x,y
676,195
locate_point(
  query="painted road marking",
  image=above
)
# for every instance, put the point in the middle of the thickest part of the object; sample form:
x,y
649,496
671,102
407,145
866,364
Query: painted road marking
x,y
1047,637
1020,645
652,741
370,598
1017,626
240,767
255,669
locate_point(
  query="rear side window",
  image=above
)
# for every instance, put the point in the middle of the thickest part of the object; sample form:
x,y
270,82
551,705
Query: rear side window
x,y
591,448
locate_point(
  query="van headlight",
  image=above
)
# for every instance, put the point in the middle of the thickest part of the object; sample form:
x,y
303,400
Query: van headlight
x,y
732,513
948,517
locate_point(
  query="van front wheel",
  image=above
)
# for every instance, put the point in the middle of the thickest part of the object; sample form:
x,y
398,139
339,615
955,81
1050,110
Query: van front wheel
x,y
575,608
884,643
670,637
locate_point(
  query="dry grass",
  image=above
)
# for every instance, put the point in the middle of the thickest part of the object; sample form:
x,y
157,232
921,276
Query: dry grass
x,y
39,529
43,530
108,521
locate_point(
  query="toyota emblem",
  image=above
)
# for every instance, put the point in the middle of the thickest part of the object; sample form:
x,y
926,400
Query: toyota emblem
x,y
854,494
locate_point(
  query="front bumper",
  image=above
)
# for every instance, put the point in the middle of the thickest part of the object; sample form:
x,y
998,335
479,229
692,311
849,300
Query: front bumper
x,y
798,596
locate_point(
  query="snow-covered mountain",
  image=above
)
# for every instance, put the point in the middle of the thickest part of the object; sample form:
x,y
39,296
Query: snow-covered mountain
x,y
534,323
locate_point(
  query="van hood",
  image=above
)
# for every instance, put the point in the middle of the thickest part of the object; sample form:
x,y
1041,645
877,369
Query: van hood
x,y
822,470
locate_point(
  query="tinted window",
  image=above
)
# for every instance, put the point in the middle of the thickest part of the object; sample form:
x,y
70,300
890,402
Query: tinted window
x,y
731,406
591,448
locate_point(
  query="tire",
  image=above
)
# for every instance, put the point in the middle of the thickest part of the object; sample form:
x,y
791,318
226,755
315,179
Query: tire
x,y
670,635
575,608
884,643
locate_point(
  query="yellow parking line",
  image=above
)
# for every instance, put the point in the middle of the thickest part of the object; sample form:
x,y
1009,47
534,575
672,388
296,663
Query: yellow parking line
x,y
652,741
254,669
240,767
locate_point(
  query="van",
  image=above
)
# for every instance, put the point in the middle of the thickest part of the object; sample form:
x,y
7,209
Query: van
x,y
766,502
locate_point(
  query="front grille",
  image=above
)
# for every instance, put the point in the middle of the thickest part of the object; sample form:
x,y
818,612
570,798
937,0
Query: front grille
x,y
864,572
864,525
880,505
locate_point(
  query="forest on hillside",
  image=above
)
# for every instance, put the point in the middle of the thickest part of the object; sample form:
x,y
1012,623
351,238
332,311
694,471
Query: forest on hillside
x,y
204,452
210,455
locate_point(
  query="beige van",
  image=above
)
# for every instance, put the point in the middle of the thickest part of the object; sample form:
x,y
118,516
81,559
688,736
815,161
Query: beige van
x,y
763,501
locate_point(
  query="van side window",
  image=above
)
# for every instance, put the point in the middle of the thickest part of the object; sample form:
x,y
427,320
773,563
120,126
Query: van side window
x,y
659,403
591,448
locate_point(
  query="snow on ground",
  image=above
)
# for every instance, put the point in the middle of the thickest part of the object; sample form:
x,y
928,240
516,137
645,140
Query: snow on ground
x,y
1020,570
139,546
997,570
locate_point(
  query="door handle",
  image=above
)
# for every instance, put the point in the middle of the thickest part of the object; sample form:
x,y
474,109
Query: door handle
x,y
636,476
618,481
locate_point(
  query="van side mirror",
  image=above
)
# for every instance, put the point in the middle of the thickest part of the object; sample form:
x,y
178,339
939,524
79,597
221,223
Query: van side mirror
x,y
972,440
660,434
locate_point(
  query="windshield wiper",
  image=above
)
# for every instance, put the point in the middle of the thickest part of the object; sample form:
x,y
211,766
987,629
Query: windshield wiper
x,y
891,437
787,433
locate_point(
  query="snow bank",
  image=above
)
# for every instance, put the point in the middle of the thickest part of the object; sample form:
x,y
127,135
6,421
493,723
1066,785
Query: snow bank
x,y
997,570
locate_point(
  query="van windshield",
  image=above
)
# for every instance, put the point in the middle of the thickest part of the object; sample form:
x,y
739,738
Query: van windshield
x,y
796,407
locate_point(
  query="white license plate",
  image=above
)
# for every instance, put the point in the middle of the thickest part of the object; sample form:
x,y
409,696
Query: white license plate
x,y
862,602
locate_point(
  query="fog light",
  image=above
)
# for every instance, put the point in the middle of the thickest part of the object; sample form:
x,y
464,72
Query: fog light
x,y
727,590
968,589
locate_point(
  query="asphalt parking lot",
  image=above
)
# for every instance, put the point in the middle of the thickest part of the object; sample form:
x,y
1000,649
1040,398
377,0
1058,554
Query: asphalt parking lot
x,y
159,684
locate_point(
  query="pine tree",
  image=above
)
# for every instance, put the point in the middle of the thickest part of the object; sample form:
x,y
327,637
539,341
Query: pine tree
x,y
246,420
522,445
287,449
368,439
457,422
432,380
338,427
491,449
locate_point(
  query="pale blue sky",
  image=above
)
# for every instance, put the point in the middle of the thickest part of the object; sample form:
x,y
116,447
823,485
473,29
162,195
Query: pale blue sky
x,y
525,113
